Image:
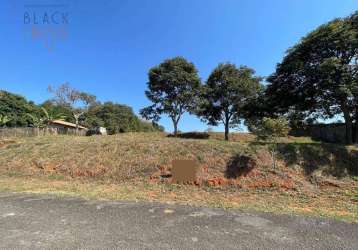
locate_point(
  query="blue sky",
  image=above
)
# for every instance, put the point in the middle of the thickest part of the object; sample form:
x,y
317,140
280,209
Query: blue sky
x,y
111,44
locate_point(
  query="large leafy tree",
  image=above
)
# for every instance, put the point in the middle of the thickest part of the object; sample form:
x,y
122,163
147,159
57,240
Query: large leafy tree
x,y
172,88
227,90
319,75
117,118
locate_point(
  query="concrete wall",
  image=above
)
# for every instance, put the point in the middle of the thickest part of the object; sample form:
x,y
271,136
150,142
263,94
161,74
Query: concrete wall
x,y
334,132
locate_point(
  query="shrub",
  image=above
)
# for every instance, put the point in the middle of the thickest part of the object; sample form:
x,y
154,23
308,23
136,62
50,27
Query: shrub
x,y
270,130
191,135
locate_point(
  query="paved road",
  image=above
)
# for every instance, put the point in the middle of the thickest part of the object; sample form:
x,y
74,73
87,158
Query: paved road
x,y
29,221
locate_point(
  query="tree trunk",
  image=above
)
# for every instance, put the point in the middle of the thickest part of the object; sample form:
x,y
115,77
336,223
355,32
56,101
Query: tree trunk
x,y
76,126
355,128
226,130
76,116
348,122
354,132
175,123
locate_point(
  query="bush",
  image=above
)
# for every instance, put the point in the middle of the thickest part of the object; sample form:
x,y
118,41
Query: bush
x,y
191,135
270,130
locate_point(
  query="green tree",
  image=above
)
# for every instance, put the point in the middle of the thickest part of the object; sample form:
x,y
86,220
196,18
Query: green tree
x,y
270,130
116,118
36,121
16,108
44,119
58,111
148,126
157,127
50,116
319,75
172,88
4,120
227,90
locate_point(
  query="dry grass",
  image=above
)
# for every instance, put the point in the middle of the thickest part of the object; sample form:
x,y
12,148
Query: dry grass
x,y
117,158
338,204
311,178
138,155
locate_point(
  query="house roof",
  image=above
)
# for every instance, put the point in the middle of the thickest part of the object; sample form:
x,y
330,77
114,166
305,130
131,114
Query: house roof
x,y
67,124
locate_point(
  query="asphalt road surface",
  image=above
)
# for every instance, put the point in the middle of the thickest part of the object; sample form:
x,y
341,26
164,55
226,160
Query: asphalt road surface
x,y
29,221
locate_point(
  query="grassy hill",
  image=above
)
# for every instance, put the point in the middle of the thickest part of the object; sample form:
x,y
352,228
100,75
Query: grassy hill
x,y
238,173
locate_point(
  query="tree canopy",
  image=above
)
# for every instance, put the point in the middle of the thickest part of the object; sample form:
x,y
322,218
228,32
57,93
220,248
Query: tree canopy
x,y
227,90
319,75
117,118
172,88
55,109
16,108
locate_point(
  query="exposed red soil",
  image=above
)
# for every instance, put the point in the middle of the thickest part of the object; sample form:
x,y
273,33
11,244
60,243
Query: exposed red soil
x,y
249,178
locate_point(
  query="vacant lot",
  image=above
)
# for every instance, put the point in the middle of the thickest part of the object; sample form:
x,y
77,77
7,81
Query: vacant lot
x,y
311,178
